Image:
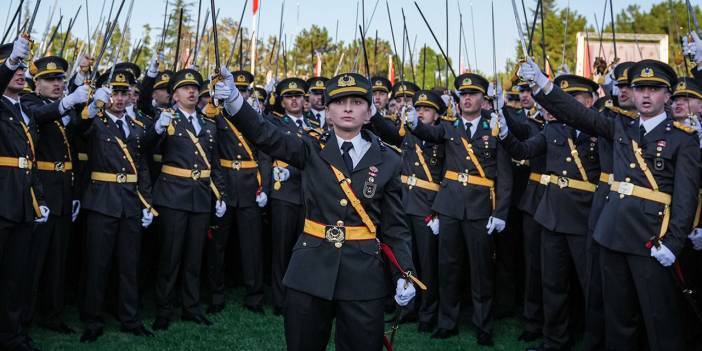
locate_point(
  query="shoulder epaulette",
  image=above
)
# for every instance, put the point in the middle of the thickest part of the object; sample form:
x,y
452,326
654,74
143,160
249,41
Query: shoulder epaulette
x,y
618,110
138,122
685,128
313,122
448,119
209,119
392,147
315,133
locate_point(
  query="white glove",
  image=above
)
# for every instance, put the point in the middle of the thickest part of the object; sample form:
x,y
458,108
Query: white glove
x,y
494,118
79,78
103,94
78,96
76,210
164,120
493,224
412,117
695,47
222,91
696,238
44,214
20,51
529,71
404,292
262,199
280,174
270,85
146,217
254,103
152,68
663,255
433,224
220,208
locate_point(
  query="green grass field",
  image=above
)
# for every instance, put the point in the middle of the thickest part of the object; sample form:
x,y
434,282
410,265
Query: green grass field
x,y
238,329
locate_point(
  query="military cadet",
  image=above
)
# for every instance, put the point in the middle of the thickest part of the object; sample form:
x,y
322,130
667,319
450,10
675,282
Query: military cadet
x,y
422,166
247,173
190,179
155,93
402,93
315,88
55,170
525,122
243,81
687,100
572,170
23,194
117,202
287,212
650,208
477,170
381,93
351,186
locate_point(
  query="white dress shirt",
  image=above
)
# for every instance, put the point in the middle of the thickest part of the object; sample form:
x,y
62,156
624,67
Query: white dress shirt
x,y
653,122
123,119
24,115
195,121
321,116
474,125
360,147
295,119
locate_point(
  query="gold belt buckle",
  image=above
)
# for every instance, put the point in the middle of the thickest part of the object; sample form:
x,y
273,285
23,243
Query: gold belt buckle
x,y
626,188
236,165
121,178
545,179
463,178
22,162
195,174
59,166
335,234
412,180
563,182
610,179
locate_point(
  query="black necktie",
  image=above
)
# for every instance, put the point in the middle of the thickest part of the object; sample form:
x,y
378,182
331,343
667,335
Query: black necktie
x,y
122,132
319,117
642,132
468,131
346,146
299,124
17,108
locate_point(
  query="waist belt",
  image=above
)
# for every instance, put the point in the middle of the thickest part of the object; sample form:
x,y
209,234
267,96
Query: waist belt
x,y
16,162
412,181
628,189
543,179
565,182
237,165
338,233
195,174
120,178
158,158
55,166
466,179
606,178
82,156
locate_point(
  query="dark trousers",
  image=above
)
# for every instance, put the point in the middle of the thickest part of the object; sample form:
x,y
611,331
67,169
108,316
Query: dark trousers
x,y
249,231
15,241
533,302
639,288
48,254
508,263
455,238
594,304
426,250
181,243
106,237
560,254
308,323
287,223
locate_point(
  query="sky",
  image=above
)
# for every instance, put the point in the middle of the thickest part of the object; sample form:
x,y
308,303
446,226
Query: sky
x,y
299,14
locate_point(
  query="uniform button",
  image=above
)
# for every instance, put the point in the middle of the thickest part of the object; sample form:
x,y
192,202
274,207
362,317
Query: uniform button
x,y
238,157
658,154
632,165
660,213
124,157
565,172
304,243
568,159
195,152
416,164
123,169
343,202
239,144
339,223
195,165
659,148
627,179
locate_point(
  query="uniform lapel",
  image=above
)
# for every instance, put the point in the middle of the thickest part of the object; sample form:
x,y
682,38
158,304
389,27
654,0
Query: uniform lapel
x,y
332,155
657,132
371,157
16,117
